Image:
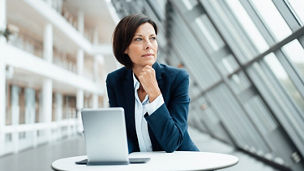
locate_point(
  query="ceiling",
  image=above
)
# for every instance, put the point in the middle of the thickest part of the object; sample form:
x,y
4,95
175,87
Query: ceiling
x,y
97,17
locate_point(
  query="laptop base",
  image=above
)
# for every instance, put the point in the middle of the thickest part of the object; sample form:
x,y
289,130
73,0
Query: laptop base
x,y
131,161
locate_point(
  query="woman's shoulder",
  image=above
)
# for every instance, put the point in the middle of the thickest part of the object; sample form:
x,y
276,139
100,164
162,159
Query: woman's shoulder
x,y
173,71
117,74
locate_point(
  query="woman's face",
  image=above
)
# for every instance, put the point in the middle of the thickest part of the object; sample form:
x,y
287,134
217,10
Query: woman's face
x,y
143,47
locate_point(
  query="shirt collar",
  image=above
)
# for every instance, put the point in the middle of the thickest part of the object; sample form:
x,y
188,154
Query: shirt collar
x,y
136,82
136,87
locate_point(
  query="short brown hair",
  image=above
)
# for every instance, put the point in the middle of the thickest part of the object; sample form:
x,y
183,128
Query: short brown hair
x,y
123,34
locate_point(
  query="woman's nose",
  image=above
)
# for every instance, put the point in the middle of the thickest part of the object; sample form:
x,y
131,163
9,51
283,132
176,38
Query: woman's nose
x,y
147,45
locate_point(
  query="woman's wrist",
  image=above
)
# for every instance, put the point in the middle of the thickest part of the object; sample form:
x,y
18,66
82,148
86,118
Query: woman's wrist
x,y
154,95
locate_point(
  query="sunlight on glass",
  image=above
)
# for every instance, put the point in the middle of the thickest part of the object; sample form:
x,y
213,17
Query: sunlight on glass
x,y
272,18
296,53
188,4
207,34
248,25
282,76
297,7
227,65
236,79
275,66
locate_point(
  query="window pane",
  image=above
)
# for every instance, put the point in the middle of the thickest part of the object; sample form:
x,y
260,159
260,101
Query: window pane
x,y
262,112
247,25
296,53
228,65
272,18
260,115
282,76
297,6
189,3
207,33
239,82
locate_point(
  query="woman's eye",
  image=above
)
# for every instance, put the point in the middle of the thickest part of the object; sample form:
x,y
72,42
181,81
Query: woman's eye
x,y
138,39
153,38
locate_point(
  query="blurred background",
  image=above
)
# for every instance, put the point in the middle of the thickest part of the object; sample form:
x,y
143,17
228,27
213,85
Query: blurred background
x,y
245,59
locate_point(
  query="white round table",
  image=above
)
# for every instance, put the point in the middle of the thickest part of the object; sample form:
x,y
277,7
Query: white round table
x,y
179,160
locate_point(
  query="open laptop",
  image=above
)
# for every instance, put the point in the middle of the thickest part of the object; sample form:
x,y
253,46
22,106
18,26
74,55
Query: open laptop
x,y
105,137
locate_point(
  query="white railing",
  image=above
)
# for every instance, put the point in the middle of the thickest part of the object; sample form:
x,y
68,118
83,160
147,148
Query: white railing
x,y
20,137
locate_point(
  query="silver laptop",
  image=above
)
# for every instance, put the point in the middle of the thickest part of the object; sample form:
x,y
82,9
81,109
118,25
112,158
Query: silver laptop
x,y
105,136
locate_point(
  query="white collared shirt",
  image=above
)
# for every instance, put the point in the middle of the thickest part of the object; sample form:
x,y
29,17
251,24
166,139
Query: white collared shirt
x,y
141,108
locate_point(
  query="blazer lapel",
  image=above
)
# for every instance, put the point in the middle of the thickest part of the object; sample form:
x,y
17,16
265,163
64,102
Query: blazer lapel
x,y
129,101
128,92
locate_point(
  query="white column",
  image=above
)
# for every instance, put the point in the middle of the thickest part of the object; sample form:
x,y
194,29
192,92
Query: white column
x,y
2,77
47,83
59,109
80,22
48,43
95,101
46,101
59,105
79,97
80,57
15,115
95,76
2,103
79,106
46,114
30,113
105,99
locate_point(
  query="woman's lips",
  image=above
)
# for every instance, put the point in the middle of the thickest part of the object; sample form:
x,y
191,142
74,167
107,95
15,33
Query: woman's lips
x,y
148,54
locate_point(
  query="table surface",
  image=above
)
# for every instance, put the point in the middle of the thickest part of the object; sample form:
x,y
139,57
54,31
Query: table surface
x,y
178,160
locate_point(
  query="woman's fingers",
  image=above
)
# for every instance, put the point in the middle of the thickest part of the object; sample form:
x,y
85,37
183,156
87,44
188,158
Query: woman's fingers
x,y
148,80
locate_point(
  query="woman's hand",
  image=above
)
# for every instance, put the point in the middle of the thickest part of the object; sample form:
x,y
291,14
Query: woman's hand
x,y
147,78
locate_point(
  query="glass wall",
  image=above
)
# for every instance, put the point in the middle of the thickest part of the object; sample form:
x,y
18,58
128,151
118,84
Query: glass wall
x,y
245,60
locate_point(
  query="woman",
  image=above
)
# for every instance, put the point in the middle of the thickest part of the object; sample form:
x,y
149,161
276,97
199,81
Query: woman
x,y
154,96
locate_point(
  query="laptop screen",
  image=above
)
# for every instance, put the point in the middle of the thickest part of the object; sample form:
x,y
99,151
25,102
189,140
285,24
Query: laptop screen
x,y
105,135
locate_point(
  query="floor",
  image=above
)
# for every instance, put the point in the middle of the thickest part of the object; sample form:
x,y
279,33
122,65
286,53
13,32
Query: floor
x,y
208,144
41,157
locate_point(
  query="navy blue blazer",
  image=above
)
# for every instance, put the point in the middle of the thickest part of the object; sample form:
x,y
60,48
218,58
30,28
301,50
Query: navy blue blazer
x,y
167,126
